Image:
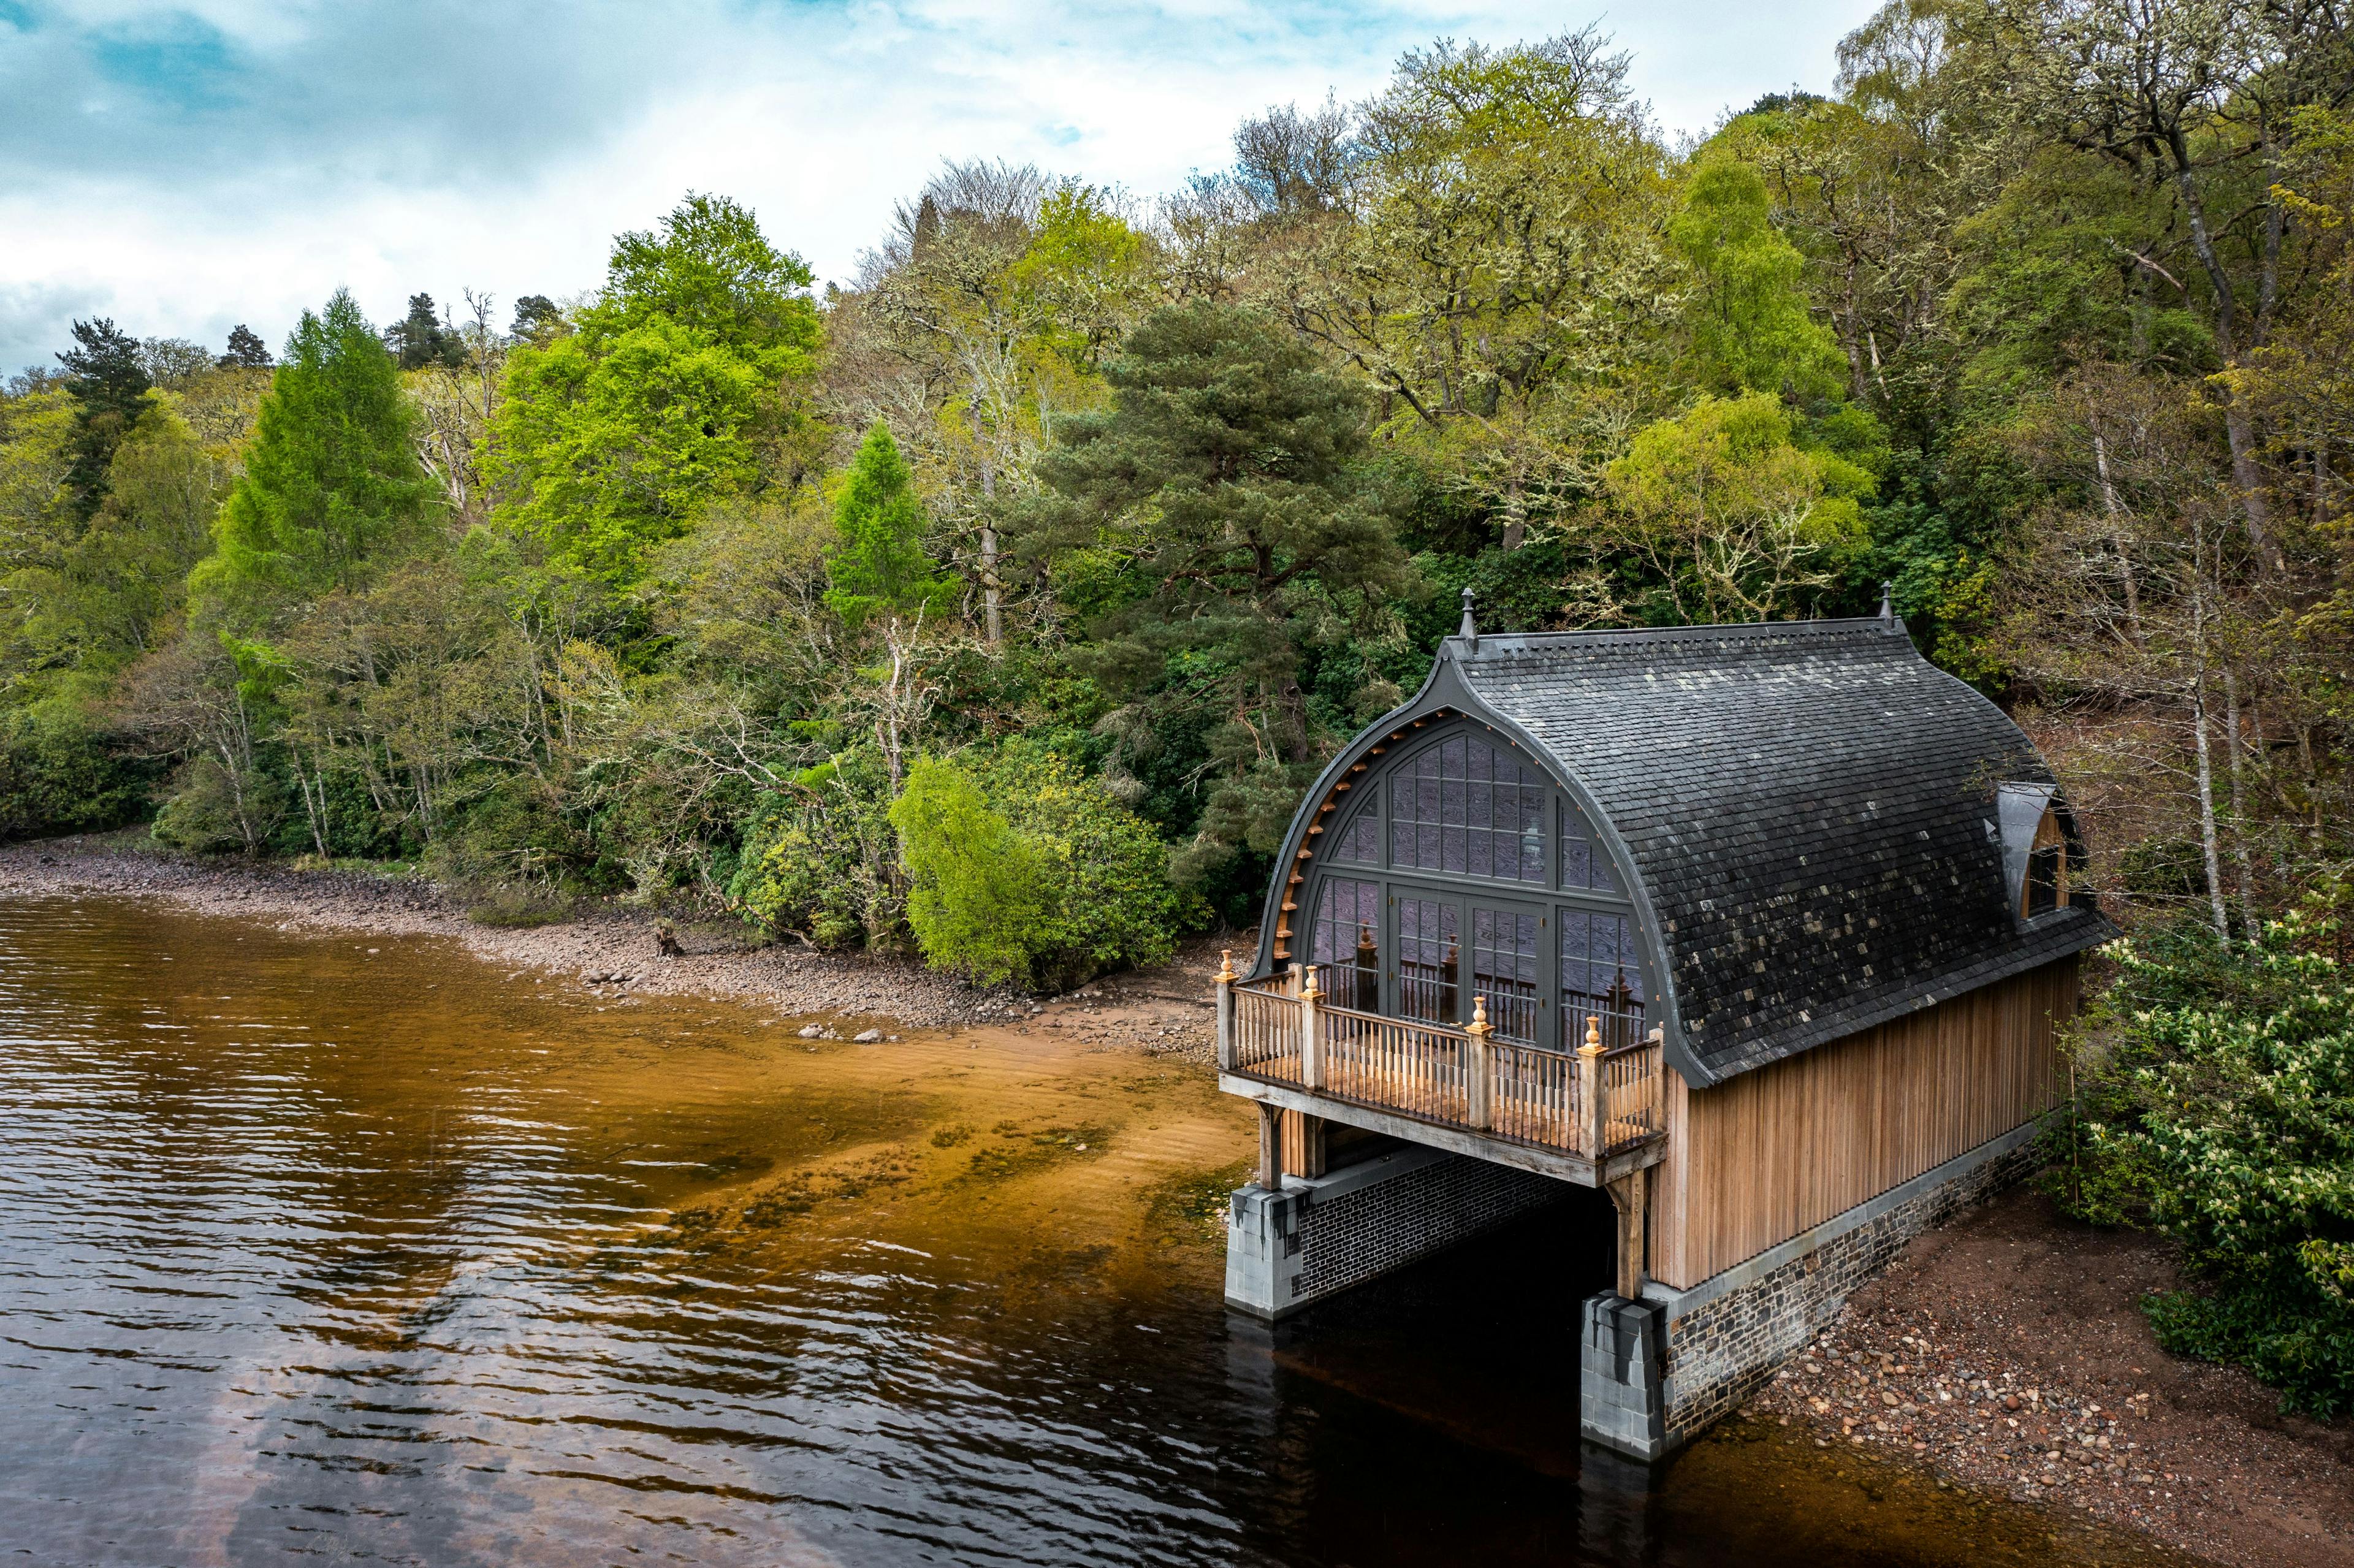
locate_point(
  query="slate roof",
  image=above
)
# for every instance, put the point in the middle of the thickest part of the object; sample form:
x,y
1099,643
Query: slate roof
x,y
1810,807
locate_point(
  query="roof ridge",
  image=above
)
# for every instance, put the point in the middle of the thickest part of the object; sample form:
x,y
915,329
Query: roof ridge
x,y
1850,629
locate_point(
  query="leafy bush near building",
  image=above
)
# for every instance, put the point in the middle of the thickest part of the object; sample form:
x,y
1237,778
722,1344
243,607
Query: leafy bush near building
x,y
1027,870
2220,1112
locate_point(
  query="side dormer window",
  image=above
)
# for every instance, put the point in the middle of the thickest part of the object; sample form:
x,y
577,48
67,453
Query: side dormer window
x,y
2035,860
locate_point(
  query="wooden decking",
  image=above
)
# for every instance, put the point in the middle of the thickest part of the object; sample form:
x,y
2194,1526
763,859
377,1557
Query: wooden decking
x,y
1586,1117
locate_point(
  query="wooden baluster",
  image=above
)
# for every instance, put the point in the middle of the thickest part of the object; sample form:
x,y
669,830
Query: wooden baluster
x,y
1476,1105
1589,1076
1311,1044
1226,1011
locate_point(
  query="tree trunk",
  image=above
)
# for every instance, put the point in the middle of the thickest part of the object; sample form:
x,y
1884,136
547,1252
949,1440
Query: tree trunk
x,y
2207,844
993,614
2245,865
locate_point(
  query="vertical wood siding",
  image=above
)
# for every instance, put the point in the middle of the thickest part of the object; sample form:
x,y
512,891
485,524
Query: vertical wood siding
x,y
1754,1162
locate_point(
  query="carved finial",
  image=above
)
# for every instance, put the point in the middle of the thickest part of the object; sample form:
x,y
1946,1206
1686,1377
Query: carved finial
x,y
1594,1031
1479,1025
1308,981
1888,604
1225,966
1469,632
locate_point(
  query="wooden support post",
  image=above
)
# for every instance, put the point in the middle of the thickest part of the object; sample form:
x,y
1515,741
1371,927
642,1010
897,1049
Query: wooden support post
x,y
1303,1144
1597,1131
1311,1037
1226,1011
1270,1147
1628,1194
1478,1112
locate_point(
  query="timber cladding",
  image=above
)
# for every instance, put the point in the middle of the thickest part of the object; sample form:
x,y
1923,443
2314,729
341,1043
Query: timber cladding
x,y
1756,1160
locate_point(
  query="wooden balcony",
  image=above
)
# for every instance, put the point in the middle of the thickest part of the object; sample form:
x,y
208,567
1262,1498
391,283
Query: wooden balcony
x,y
1590,1118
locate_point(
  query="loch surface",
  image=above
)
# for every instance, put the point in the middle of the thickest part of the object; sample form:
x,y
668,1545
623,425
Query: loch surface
x,y
322,1248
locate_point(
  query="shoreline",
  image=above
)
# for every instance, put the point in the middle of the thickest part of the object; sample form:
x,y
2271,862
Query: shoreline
x,y
612,950
1983,1357
2007,1353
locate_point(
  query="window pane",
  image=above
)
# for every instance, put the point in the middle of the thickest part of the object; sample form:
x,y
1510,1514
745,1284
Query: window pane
x,y
1361,842
1344,943
1428,958
1601,978
1583,862
1471,808
1504,970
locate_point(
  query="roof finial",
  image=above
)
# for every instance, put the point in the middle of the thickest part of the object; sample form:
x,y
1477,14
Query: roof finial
x,y
1888,604
1469,632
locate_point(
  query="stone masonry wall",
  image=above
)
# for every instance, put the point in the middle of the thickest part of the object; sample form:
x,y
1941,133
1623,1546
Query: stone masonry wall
x,y
1720,1350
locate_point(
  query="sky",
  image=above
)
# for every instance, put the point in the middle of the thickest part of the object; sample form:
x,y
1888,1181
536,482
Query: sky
x,y
182,167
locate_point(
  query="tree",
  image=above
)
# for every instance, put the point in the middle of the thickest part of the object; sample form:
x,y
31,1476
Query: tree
x,y
535,317
1735,520
107,377
669,394
172,363
1747,325
1500,274
423,337
1216,525
877,566
331,481
246,349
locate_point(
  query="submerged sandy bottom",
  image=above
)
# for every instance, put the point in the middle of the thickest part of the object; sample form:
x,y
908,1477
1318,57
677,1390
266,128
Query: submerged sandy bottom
x,y
329,1249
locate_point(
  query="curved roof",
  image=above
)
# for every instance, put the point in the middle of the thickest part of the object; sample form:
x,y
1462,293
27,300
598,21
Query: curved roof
x,y
1808,811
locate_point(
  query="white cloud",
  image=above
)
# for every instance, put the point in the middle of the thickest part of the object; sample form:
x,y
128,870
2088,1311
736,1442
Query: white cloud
x,y
186,167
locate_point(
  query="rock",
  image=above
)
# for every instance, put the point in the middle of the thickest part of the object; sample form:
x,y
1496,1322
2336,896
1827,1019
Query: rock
x,y
813,1031
870,1037
2009,1401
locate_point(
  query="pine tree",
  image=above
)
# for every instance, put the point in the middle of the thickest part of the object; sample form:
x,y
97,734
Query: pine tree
x,y
330,483
107,377
878,566
246,349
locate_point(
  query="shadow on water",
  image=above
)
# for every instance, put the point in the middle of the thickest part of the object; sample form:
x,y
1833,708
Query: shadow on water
x,y
323,1250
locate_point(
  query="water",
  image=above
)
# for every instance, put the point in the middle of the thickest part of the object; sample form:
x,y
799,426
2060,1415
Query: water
x,y
318,1249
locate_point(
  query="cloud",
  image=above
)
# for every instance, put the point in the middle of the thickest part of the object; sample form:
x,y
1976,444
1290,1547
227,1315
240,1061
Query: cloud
x,y
187,166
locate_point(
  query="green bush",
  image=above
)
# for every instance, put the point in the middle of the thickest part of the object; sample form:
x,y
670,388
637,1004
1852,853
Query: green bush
x,y
59,776
974,894
1027,870
2222,1114
823,862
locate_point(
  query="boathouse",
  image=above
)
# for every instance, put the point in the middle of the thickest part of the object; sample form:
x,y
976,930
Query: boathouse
x,y
1764,930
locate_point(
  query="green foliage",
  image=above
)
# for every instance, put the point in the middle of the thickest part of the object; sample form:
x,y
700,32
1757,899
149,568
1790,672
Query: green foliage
x,y
1738,521
331,483
1748,326
61,774
667,395
974,898
1030,872
2221,1110
821,862
878,566
1220,531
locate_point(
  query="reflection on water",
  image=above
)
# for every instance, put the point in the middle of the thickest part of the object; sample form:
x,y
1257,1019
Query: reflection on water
x,y
317,1249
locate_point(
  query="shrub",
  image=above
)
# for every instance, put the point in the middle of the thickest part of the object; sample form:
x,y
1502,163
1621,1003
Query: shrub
x,y
2222,1114
973,892
59,776
822,862
1027,870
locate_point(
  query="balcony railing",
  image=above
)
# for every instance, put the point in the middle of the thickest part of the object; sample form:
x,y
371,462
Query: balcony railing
x,y
1596,1103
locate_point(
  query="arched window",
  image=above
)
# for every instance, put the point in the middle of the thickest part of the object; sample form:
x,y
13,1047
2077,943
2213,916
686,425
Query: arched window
x,y
1457,870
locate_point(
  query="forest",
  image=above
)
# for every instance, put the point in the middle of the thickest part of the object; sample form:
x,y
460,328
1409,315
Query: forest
x,y
998,605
